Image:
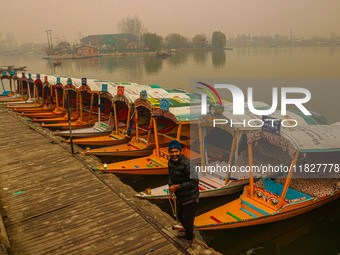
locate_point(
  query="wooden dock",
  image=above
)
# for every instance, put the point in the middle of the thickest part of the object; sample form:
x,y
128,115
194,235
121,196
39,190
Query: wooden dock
x,y
54,203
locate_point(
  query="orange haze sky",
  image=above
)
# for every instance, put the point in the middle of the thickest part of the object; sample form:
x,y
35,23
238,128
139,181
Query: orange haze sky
x,y
72,19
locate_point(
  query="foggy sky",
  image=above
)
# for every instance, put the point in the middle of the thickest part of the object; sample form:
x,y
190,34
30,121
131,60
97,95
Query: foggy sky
x,y
28,19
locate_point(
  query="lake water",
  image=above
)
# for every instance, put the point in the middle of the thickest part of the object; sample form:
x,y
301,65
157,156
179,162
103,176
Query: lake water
x,y
316,232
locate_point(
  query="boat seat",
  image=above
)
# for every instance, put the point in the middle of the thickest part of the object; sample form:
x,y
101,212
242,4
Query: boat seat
x,y
314,187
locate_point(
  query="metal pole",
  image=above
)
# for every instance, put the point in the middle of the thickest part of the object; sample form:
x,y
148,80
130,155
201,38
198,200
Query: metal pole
x,y
156,135
10,84
136,125
289,177
3,87
251,176
69,121
51,39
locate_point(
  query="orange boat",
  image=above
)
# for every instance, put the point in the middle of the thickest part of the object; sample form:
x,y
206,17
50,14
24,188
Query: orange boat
x,y
289,194
123,135
122,113
141,144
85,96
220,146
47,102
63,117
157,163
105,123
57,97
34,100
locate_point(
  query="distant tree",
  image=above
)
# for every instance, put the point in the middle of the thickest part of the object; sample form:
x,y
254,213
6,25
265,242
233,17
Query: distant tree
x,y
62,47
333,36
199,41
176,41
152,41
131,26
218,40
122,44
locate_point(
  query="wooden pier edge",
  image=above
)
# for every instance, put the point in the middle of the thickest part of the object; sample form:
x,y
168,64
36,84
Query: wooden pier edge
x,y
159,220
4,242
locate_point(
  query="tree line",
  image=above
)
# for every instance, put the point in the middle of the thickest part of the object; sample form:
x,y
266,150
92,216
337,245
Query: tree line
x,y
153,41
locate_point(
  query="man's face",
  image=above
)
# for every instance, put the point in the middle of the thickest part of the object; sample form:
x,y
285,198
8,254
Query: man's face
x,y
174,154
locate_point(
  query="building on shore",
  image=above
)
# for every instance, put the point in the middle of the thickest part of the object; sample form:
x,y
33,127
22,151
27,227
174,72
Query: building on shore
x,y
110,43
87,51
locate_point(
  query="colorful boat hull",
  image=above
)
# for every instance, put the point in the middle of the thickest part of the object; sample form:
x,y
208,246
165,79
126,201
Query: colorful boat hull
x,y
151,165
103,140
248,211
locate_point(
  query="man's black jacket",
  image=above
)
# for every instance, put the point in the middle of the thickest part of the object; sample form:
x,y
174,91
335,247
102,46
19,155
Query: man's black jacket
x,y
179,173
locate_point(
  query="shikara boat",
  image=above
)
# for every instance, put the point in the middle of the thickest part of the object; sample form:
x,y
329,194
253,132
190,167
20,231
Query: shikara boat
x,y
21,91
34,100
46,103
72,92
121,110
104,125
143,143
284,195
124,114
15,87
57,98
6,93
157,164
85,98
224,150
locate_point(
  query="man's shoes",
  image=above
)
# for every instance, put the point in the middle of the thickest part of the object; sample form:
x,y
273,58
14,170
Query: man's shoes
x,y
187,244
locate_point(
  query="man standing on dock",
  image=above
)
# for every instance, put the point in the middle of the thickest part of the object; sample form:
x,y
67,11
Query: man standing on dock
x,y
183,181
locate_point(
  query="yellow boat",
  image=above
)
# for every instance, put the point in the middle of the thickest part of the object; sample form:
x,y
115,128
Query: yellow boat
x,y
157,164
271,200
221,145
124,103
85,96
57,95
47,104
119,135
143,142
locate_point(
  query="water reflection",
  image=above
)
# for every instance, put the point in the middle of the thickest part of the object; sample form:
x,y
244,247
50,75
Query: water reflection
x,y
109,63
179,58
218,58
153,65
200,56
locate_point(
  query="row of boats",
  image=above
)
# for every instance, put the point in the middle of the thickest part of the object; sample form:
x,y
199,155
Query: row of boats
x,y
137,122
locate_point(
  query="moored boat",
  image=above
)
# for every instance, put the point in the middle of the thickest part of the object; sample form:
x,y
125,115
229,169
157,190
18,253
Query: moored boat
x,y
284,196
85,98
157,163
6,76
21,93
143,143
224,150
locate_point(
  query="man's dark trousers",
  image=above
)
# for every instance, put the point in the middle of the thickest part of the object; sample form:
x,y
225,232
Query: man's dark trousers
x,y
186,216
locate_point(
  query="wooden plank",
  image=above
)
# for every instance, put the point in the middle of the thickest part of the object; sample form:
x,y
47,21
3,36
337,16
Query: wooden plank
x,y
64,208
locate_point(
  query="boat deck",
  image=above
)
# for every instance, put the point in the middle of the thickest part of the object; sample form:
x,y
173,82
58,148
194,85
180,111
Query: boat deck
x,y
53,203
